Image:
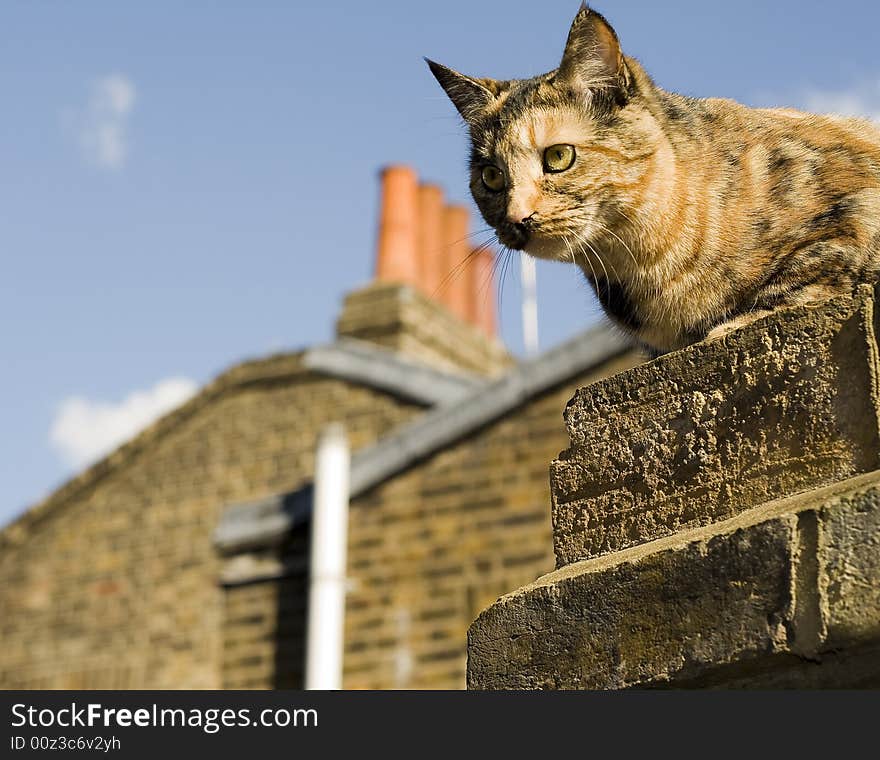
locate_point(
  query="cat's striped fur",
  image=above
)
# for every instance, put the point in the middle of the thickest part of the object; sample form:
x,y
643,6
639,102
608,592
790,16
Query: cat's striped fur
x,y
688,216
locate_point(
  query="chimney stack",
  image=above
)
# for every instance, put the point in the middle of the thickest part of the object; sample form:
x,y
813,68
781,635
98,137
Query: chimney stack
x,y
423,242
433,298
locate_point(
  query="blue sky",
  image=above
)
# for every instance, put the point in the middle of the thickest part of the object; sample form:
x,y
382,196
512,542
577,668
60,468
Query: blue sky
x,y
184,185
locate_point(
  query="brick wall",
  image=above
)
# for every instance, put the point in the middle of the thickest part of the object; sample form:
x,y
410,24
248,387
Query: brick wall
x,y
113,583
264,626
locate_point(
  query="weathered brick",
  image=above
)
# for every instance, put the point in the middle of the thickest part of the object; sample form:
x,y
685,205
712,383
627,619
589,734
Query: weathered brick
x,y
663,615
401,318
784,594
849,546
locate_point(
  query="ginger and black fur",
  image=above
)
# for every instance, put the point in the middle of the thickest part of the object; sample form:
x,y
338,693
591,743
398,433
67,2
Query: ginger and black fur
x,y
688,216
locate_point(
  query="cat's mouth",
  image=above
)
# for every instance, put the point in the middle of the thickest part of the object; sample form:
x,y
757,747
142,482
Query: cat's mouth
x,y
533,242
514,236
549,247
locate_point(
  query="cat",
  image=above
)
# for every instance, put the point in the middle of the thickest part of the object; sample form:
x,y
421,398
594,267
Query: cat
x,y
689,217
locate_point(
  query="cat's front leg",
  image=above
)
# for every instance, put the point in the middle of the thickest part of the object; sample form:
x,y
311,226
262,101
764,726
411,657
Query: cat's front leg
x,y
811,294
816,273
719,331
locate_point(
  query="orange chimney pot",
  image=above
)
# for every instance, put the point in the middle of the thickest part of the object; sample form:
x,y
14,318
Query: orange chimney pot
x,y
484,311
396,258
455,292
430,239
470,275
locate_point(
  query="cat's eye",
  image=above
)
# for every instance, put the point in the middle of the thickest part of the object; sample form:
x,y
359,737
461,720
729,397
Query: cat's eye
x,y
558,158
492,178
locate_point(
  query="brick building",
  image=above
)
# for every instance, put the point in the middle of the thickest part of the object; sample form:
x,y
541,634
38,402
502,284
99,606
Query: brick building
x,y
181,559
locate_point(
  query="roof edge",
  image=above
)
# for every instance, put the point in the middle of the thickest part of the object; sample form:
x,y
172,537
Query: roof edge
x,y
389,371
442,426
259,524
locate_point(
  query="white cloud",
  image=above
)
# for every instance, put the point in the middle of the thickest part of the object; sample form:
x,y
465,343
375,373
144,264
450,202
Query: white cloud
x,y
103,123
860,100
84,430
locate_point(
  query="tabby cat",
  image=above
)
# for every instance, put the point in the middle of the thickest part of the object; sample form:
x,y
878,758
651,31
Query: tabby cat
x,y
689,217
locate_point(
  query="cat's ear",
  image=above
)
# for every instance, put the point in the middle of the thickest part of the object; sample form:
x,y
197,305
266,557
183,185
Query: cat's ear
x,y
471,96
592,59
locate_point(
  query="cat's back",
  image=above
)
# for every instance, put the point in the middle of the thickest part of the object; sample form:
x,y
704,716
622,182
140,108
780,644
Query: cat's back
x,y
788,169
828,131
836,141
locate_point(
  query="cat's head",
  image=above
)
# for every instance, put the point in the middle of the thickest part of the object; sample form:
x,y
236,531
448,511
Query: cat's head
x,y
557,158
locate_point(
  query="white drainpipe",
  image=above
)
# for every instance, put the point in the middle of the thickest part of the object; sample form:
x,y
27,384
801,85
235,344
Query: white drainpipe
x,y
329,545
529,277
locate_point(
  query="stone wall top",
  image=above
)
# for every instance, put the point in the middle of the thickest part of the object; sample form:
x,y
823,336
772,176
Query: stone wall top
x,y
786,404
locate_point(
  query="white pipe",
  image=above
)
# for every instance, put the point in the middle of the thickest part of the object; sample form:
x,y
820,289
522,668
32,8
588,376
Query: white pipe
x,y
529,277
329,545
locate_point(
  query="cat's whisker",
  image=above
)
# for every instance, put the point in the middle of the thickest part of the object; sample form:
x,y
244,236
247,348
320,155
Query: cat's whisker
x,y
586,242
507,256
601,261
482,246
459,268
486,285
470,235
626,247
585,258
480,231
625,216
497,264
570,252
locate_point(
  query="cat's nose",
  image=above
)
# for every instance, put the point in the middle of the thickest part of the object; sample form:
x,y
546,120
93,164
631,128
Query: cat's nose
x,y
520,207
519,219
